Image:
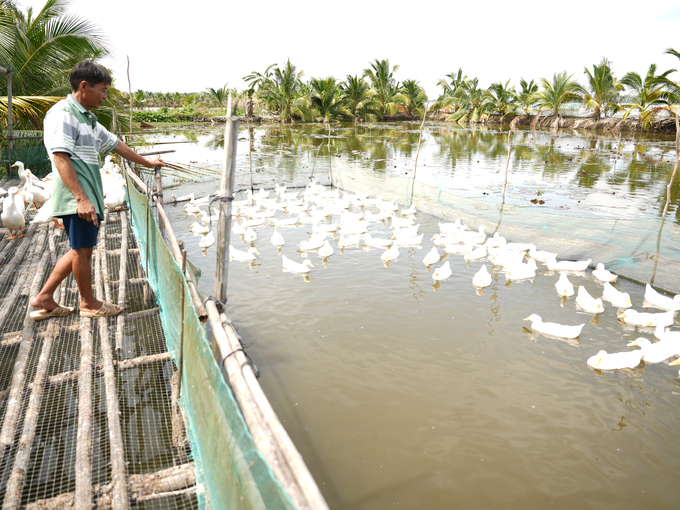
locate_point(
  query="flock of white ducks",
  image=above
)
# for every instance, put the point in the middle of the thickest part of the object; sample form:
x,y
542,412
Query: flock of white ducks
x,y
39,191
321,206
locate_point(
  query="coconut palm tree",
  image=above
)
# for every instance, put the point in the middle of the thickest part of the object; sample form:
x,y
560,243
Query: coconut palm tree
x,y
473,102
501,99
413,97
603,90
648,93
561,91
360,99
528,96
327,98
42,49
217,97
385,86
285,93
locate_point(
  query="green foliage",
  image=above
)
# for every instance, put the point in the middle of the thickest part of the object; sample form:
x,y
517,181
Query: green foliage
x,y
501,99
326,97
413,97
648,93
528,96
283,91
158,116
384,85
562,90
360,99
603,90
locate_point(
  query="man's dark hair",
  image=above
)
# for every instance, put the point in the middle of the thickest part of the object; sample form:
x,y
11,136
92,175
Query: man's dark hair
x,y
91,73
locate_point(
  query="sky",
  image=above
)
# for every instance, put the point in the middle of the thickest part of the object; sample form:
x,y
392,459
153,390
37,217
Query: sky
x,y
174,48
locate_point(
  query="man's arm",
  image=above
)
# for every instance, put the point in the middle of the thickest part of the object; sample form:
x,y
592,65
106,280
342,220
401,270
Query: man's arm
x,y
86,210
126,152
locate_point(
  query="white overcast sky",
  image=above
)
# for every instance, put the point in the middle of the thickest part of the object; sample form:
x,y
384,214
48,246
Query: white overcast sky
x,y
189,46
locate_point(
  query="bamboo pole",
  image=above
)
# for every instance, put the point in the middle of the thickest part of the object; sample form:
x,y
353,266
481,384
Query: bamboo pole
x,y
180,357
505,183
122,281
159,195
415,163
165,483
16,480
121,500
226,195
129,91
142,314
668,197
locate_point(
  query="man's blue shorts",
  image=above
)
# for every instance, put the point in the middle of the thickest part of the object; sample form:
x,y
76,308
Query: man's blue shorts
x,y
81,233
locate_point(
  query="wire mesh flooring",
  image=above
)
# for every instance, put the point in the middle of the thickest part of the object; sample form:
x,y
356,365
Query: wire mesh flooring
x,y
88,413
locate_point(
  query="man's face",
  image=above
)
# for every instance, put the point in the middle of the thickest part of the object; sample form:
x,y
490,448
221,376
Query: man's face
x,y
93,97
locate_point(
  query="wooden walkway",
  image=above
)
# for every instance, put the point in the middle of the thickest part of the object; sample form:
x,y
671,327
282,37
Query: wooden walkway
x,y
87,411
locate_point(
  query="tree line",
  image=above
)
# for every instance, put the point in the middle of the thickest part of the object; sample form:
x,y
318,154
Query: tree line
x,y
42,48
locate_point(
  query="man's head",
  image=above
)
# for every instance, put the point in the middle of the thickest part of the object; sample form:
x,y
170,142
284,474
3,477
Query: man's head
x,y
89,83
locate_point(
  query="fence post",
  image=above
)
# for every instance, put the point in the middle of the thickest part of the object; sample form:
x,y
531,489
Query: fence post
x,y
226,196
8,72
159,196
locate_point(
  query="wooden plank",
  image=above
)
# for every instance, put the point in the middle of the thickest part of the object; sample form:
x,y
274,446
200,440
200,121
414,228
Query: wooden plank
x,y
122,282
164,483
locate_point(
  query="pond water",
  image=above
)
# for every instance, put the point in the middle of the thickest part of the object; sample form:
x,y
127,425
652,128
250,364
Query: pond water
x,y
400,393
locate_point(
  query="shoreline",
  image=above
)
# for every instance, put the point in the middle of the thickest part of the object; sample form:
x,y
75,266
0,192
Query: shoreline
x,y
610,125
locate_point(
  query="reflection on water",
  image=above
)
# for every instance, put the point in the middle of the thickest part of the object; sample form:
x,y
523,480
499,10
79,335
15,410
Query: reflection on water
x,y
576,174
398,395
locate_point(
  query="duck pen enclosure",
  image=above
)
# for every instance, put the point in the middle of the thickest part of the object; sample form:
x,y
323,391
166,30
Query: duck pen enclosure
x,y
94,411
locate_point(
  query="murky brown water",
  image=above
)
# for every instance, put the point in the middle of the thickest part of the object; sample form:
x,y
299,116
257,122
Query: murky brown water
x,y
400,395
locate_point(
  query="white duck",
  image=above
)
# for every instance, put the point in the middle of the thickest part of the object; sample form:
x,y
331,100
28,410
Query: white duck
x,y
482,278
390,254
406,232
378,242
346,241
603,275
457,249
660,301
326,250
277,239
432,257
296,267
661,333
616,297
192,208
442,272
199,228
552,328
313,243
474,237
540,255
249,235
645,319
587,302
207,241
522,271
564,287
475,254
452,228
567,265
115,197
659,351
408,241
616,360
242,256
13,213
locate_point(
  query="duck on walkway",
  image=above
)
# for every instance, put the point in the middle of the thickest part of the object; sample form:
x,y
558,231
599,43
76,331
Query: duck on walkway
x,y
13,213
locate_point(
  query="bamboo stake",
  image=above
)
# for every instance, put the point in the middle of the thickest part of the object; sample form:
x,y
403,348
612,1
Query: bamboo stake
x,y
23,455
180,359
415,163
143,313
505,184
121,500
330,172
129,92
159,195
668,196
226,195
122,281
164,483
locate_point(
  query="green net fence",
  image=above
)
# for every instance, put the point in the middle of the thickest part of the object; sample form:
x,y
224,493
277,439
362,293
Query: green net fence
x,y
228,464
645,250
29,149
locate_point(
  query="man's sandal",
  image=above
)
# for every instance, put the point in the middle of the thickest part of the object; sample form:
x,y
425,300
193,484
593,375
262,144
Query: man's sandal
x,y
60,311
107,310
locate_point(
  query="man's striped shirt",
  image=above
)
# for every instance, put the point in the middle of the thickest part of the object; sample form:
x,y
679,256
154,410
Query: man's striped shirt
x,y
70,128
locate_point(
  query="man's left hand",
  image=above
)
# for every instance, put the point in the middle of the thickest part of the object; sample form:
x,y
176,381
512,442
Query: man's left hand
x,y
154,162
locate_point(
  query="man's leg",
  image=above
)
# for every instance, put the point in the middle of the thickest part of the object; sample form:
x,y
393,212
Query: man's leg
x,y
45,298
82,272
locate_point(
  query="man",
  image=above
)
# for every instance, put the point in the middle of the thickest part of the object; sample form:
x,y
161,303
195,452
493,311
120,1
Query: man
x,y
73,139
